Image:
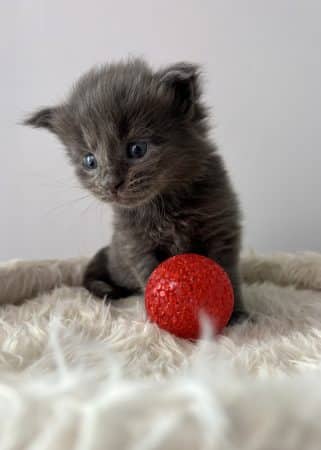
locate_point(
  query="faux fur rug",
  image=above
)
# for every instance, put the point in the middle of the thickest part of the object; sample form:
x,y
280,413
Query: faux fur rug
x,y
76,373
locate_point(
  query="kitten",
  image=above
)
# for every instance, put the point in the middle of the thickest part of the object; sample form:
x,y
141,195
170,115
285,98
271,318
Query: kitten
x,y
138,139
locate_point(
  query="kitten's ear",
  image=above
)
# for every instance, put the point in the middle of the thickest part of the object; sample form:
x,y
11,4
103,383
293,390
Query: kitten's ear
x,y
43,118
183,80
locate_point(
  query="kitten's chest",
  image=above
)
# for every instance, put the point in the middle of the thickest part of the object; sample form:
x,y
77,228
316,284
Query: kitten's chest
x,y
173,234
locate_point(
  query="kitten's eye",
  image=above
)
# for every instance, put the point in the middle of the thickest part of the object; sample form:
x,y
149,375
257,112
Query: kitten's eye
x,y
89,162
136,149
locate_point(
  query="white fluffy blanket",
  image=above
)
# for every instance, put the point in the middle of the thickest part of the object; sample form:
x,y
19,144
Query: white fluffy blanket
x,y
76,373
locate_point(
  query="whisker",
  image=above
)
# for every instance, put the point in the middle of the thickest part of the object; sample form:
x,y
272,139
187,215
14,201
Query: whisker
x,y
136,181
137,190
91,204
66,204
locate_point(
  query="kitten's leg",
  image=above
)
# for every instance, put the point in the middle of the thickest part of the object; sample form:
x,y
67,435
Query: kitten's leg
x,y
98,281
142,267
229,261
239,313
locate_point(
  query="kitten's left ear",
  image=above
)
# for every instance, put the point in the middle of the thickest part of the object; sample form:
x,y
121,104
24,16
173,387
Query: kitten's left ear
x,y
43,118
183,80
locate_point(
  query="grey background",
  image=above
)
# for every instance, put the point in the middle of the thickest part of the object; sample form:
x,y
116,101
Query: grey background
x,y
262,63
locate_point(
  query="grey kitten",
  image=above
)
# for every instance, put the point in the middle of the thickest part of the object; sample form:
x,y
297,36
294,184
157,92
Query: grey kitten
x,y
138,139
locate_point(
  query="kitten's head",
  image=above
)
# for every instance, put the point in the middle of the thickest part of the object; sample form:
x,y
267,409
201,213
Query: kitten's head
x,y
131,133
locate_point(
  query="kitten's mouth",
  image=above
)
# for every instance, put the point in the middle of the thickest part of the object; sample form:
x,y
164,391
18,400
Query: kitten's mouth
x,y
127,202
130,194
130,201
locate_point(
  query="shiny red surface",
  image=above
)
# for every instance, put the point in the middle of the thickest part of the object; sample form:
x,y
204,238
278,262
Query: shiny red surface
x,y
184,286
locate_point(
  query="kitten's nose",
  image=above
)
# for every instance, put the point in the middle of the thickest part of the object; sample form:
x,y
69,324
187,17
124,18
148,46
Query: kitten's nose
x,y
114,187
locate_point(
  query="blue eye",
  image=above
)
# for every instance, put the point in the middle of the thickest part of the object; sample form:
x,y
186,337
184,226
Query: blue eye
x,y
136,149
89,162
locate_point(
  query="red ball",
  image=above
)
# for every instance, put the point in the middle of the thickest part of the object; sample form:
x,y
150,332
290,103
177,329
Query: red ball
x,y
183,287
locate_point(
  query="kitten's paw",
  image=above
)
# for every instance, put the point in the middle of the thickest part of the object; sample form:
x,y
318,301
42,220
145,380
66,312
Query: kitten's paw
x,y
104,290
238,317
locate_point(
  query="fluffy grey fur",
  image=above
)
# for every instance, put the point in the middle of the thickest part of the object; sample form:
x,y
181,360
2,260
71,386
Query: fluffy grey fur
x,y
176,198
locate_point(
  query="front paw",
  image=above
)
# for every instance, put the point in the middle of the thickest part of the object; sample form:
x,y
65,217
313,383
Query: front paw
x,y
101,289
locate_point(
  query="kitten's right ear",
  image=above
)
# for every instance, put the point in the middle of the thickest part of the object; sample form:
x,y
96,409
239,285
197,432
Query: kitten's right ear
x,y
43,118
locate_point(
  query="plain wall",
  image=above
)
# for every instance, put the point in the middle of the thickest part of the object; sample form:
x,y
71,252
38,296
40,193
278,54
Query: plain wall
x,y
262,64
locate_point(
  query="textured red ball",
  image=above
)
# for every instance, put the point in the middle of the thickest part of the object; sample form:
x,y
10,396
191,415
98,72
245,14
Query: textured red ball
x,y
182,288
